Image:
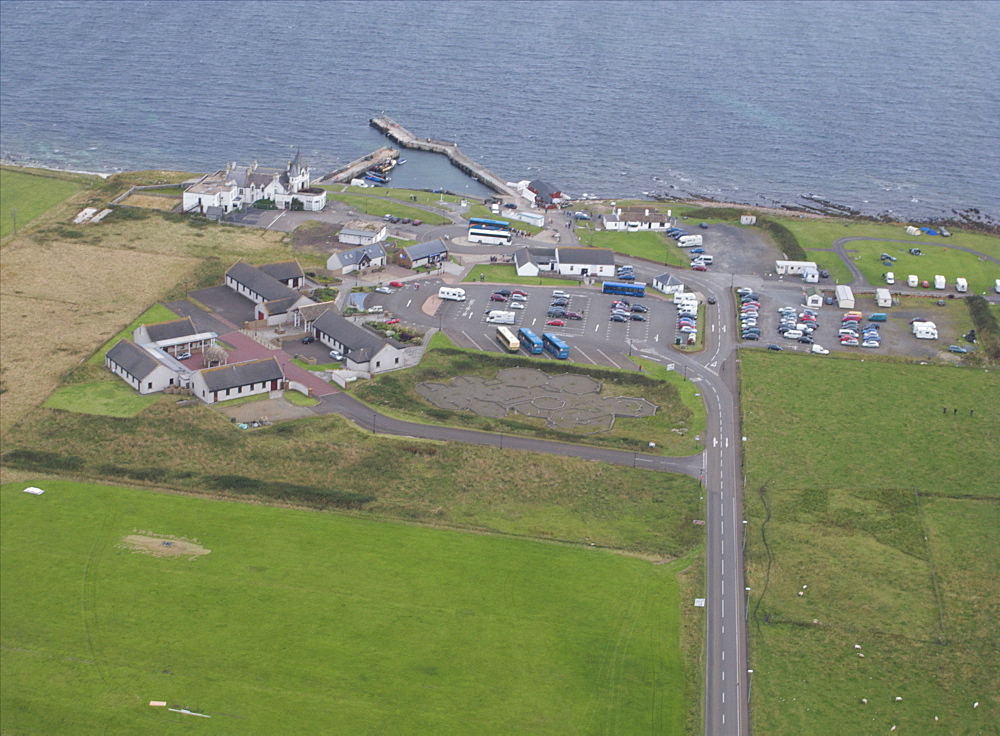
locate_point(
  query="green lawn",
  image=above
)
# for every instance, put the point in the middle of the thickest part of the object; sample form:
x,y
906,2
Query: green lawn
x,y
28,195
294,397
299,622
500,273
941,259
371,205
842,550
156,313
403,195
649,245
105,398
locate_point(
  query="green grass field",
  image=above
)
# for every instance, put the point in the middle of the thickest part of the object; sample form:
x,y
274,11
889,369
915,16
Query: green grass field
x,y
371,205
105,398
500,273
299,622
942,259
649,245
863,490
156,313
403,195
27,195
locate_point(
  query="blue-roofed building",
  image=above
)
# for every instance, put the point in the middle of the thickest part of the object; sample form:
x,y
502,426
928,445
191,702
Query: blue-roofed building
x,y
423,254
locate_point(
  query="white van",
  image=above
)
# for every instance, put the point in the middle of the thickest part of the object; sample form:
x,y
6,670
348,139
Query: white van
x,y
912,281
961,285
454,295
500,317
939,282
703,257
890,278
377,309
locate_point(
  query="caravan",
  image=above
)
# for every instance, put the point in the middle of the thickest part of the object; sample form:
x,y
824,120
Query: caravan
x,y
450,294
961,285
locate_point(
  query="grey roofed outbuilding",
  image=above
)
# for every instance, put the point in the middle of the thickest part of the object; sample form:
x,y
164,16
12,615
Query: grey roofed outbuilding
x,y
281,306
668,279
132,359
242,374
283,271
268,287
595,256
171,330
354,256
360,345
426,250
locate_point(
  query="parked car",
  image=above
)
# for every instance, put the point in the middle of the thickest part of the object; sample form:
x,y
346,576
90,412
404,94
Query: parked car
x,y
828,300
636,317
619,318
308,339
621,312
559,303
555,323
697,250
699,267
557,294
824,274
957,349
392,321
574,315
871,344
517,305
640,308
819,350
626,276
336,355
418,222
806,340
518,298
519,292
497,298
504,292
397,284
751,336
556,312
687,329
792,334
383,290
406,220
775,347
182,356
851,342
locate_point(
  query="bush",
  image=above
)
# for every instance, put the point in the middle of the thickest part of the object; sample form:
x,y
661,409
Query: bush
x,y
987,329
290,492
265,204
324,294
41,460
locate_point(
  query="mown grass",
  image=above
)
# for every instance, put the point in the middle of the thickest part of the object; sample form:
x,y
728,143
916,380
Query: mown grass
x,y
299,622
403,195
374,206
156,313
880,509
26,194
649,245
192,447
294,397
500,273
395,394
941,259
105,398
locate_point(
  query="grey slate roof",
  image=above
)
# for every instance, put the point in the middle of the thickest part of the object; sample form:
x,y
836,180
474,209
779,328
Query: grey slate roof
x,y
284,271
360,344
133,359
425,250
280,306
354,256
585,256
242,374
172,329
668,279
543,189
259,282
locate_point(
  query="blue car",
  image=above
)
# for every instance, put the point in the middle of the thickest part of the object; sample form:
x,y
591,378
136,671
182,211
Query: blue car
x,y
697,250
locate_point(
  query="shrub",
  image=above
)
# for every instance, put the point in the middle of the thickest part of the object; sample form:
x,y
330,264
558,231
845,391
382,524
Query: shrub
x,y
42,460
987,329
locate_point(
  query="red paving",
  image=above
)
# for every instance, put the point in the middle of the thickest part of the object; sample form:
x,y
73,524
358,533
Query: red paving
x,y
247,349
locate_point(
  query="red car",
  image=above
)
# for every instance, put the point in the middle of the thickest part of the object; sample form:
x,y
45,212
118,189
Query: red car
x,y
555,323
699,267
396,284
519,292
392,321
498,298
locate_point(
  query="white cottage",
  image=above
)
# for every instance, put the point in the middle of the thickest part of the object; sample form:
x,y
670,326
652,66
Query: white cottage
x,y
236,187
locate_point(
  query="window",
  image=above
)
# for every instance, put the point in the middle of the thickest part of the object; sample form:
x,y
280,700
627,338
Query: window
x,y
149,385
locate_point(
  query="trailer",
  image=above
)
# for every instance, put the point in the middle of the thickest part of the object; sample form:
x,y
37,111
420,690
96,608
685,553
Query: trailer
x,y
940,282
845,297
883,298
961,285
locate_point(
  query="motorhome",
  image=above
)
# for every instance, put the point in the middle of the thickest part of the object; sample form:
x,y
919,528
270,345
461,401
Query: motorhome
x,y
450,294
961,285
500,317
939,282
912,281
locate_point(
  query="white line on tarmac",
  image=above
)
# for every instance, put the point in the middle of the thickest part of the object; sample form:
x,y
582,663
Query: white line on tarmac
x,y
586,356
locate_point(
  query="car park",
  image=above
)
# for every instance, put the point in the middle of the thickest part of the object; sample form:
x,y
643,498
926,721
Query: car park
x,y
775,347
555,323
336,355
957,349
619,318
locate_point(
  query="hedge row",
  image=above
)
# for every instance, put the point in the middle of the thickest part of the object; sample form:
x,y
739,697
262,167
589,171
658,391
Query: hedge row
x,y
985,322
783,237
284,492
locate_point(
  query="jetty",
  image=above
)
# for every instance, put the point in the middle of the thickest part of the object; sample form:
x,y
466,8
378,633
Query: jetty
x,y
459,160
356,169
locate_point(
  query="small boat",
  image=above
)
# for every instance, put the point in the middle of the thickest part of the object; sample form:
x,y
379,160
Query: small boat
x,y
370,176
401,162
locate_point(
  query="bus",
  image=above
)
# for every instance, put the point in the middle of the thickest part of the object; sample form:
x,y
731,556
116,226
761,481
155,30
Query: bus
x,y
616,287
506,338
481,223
530,341
555,346
490,237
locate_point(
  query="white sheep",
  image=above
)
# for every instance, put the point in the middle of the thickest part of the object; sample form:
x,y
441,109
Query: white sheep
x,y
898,698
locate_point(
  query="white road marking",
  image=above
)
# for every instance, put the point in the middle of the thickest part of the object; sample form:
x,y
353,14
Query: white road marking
x,y
586,356
612,360
409,302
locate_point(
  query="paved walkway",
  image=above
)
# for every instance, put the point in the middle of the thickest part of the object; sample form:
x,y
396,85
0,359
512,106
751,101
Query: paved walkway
x,y
249,349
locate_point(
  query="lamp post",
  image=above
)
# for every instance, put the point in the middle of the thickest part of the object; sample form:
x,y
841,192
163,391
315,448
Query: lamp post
x,y
373,422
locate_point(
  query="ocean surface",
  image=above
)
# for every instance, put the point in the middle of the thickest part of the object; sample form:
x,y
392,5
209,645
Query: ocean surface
x,y
886,107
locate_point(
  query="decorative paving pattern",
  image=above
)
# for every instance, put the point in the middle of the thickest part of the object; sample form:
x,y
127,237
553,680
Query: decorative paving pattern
x,y
566,402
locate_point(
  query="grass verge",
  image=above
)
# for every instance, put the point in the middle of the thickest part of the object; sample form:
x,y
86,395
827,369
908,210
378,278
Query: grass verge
x,y
507,274
104,398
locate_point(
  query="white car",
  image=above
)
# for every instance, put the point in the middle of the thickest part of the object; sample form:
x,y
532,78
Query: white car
x,y
383,290
793,334
559,294
517,305
820,350
336,355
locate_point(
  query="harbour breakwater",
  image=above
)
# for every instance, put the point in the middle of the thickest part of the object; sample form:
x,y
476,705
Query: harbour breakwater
x,y
459,160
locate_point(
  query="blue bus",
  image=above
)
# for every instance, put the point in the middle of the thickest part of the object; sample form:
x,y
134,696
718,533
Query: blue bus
x,y
616,287
555,346
480,223
529,341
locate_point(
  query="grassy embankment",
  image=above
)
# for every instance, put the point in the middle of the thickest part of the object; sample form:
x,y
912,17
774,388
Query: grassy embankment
x,y
27,193
865,485
298,622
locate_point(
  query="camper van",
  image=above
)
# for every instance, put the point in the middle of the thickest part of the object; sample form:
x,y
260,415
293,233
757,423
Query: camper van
x,y
961,285
500,317
688,241
810,276
450,294
939,282
912,281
